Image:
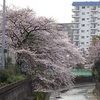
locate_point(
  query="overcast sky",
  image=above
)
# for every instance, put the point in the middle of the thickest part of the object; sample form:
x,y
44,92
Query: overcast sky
x,y
60,10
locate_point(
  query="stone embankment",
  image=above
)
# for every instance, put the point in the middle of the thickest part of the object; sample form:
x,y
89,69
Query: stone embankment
x,y
16,91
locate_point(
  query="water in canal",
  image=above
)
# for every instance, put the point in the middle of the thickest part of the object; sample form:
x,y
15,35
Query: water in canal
x,y
74,94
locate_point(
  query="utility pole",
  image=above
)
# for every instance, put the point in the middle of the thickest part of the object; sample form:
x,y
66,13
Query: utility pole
x,y
3,36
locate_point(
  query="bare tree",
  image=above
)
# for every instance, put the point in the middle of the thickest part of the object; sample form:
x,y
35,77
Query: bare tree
x,y
46,52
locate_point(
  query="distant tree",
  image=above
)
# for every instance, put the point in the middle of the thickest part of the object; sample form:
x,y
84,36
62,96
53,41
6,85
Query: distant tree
x,y
94,50
94,57
41,49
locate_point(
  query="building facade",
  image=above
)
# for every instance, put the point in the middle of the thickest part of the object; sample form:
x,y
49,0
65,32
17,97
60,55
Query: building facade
x,y
66,27
86,24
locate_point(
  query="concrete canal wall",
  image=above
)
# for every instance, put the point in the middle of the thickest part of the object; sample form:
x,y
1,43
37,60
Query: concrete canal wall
x,y
16,91
83,79
23,89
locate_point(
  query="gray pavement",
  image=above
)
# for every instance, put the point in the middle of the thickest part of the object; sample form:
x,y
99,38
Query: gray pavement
x,y
81,92
90,94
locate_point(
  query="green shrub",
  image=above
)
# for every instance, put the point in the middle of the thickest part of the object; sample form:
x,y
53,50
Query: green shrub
x,y
96,71
3,75
14,78
8,61
10,75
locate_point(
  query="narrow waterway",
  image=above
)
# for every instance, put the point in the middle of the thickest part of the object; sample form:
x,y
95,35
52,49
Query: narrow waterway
x,y
81,93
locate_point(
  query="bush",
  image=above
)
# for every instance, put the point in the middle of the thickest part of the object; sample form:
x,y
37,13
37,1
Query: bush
x,y
3,75
8,61
14,78
96,71
9,75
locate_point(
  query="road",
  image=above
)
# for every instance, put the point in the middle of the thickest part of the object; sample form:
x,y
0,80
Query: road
x,y
79,93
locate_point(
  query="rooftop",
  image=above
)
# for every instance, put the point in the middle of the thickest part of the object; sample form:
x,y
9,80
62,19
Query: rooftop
x,y
91,3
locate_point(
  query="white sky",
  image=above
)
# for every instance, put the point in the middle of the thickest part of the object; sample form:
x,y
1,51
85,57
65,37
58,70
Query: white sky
x,y
60,10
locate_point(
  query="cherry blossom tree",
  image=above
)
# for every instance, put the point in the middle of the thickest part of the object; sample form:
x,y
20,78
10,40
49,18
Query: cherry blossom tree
x,y
41,49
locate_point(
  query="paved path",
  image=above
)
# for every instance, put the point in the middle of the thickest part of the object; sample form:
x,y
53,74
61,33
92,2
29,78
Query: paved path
x,y
90,94
78,93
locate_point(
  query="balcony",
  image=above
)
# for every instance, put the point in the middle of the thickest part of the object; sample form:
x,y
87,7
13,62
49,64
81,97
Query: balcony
x,y
76,15
75,40
94,16
93,21
93,28
93,31
75,10
93,34
75,33
75,27
94,10
75,21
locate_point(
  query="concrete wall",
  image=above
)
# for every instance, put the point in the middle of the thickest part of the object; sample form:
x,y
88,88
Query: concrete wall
x,y
16,91
83,79
22,90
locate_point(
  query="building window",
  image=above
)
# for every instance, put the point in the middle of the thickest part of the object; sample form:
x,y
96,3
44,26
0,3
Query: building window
x,y
77,8
83,19
93,26
87,42
93,8
87,30
82,49
82,30
82,37
83,24
93,32
82,42
83,13
76,43
76,37
87,12
87,36
83,7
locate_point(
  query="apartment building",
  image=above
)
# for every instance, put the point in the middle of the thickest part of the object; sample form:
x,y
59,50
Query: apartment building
x,y
86,23
66,27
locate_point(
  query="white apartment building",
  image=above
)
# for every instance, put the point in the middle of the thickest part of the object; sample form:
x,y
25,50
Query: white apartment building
x,y
86,23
